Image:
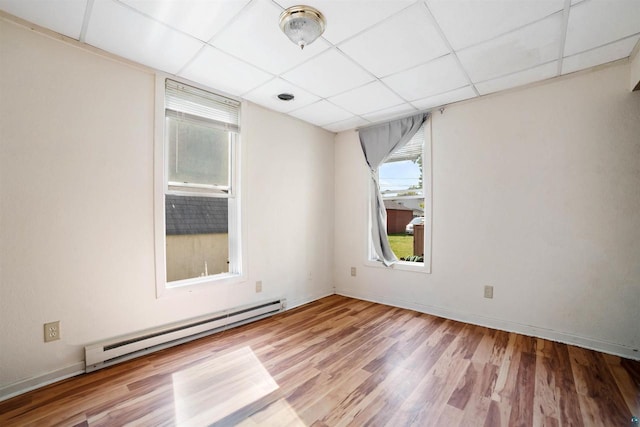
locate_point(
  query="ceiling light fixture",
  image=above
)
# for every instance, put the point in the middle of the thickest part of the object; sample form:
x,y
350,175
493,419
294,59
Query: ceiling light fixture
x,y
302,24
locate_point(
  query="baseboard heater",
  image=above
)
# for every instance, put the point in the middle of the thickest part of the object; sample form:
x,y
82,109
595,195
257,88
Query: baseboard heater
x,y
107,353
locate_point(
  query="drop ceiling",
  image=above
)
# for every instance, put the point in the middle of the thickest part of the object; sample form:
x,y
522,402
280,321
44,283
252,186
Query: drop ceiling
x,y
377,59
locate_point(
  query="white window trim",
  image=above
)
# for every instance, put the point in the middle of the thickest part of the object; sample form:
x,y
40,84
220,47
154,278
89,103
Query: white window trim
x,y
236,220
371,259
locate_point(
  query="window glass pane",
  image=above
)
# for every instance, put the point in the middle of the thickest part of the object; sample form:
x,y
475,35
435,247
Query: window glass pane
x,y
197,154
401,185
197,236
402,178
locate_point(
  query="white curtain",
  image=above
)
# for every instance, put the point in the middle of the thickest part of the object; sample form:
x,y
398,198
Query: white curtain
x,y
378,143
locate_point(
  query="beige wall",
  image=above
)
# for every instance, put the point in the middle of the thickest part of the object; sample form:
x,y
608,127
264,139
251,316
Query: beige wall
x,y
535,191
76,207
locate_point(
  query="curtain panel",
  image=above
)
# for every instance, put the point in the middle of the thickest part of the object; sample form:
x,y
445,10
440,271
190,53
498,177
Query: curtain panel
x,y
378,143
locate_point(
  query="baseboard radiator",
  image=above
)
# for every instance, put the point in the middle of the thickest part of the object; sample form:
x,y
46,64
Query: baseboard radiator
x,y
107,353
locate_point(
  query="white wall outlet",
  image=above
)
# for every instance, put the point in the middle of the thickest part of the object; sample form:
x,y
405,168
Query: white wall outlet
x,y
52,331
353,271
488,291
259,286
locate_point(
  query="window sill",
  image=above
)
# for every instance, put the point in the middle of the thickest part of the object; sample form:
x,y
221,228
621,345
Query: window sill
x,y
180,287
416,267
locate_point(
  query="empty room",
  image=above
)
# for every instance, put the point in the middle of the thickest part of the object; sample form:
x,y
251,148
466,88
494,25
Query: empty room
x,y
336,212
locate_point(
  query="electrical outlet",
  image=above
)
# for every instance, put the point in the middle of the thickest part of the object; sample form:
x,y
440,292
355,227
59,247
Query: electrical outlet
x,y
52,331
259,286
488,291
353,271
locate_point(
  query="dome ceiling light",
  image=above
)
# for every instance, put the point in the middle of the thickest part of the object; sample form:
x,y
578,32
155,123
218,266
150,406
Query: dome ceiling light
x,y
302,24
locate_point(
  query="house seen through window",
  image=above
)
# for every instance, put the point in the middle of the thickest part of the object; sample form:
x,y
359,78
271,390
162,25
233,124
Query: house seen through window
x,y
201,201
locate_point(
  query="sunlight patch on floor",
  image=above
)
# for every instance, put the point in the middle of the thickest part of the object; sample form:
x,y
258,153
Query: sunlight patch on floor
x,y
277,414
220,387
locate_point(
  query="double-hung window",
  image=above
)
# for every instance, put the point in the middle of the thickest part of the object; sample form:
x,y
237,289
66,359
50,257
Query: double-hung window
x,y
200,186
405,185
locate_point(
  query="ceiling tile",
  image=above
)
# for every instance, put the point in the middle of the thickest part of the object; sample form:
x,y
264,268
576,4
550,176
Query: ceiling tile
x,y
601,55
405,40
201,19
346,18
469,22
348,124
255,37
535,74
466,92
440,75
62,16
328,74
525,48
365,99
499,43
267,96
321,113
390,113
594,23
120,30
218,70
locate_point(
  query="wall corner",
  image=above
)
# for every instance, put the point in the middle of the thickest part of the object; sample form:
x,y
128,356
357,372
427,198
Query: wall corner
x,y
634,66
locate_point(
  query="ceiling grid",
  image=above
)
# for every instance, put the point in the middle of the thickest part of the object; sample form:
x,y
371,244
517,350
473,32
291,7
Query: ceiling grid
x,y
377,59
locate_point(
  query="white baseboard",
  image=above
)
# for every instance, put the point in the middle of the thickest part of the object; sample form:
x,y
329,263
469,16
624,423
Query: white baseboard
x,y
297,302
24,386
503,325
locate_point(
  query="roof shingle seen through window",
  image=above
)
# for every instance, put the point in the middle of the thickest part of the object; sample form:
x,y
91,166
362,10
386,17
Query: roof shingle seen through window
x,y
196,215
390,204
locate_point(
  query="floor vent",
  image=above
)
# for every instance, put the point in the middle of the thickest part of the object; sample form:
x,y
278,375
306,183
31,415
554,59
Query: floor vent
x,y
118,350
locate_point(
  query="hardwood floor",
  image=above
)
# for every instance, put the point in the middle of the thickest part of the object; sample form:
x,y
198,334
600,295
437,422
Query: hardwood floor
x,y
341,361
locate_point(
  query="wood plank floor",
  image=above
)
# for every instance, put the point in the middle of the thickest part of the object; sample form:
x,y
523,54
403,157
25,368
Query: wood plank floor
x,y
341,361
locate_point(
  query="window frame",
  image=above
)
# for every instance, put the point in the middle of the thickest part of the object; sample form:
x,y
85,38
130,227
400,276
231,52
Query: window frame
x,y
162,187
372,259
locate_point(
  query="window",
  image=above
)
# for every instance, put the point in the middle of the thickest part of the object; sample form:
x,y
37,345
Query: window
x,y
201,236
405,185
